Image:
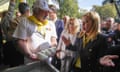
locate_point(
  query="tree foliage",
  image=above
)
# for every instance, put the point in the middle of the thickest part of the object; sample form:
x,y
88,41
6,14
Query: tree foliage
x,y
68,7
30,2
106,1
107,10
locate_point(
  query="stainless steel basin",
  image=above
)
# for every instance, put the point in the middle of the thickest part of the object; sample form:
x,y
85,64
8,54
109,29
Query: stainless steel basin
x,y
33,67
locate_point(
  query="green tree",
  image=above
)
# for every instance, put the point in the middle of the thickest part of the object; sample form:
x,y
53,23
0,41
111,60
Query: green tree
x,y
106,1
68,7
107,10
30,2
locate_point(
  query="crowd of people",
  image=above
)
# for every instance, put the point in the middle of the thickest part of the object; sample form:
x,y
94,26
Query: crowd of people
x,y
88,44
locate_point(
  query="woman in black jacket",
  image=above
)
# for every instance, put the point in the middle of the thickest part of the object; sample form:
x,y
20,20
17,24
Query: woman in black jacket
x,y
90,45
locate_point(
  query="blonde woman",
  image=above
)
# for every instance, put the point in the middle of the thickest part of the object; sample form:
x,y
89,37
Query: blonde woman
x,y
65,20
90,45
70,31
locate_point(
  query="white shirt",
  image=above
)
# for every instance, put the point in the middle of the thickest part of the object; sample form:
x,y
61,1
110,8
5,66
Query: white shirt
x,y
27,30
61,44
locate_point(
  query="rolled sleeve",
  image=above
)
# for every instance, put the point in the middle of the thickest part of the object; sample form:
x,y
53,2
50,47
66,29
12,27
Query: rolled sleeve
x,y
21,30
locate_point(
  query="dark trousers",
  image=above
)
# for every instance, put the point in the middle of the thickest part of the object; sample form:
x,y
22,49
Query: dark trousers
x,y
74,69
11,56
1,55
56,62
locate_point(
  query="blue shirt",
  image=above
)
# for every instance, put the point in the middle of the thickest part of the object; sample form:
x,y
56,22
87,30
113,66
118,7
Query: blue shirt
x,y
59,24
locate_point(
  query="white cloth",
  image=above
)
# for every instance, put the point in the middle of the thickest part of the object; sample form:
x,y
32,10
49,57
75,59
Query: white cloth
x,y
61,44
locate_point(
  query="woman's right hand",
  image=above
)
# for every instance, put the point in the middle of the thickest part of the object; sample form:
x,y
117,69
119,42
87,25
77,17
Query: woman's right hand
x,y
66,41
107,60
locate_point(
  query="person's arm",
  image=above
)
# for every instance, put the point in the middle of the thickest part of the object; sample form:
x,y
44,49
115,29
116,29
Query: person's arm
x,y
25,49
22,34
68,44
5,22
108,55
53,36
11,9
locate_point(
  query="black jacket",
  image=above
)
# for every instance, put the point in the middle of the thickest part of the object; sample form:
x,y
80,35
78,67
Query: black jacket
x,y
91,53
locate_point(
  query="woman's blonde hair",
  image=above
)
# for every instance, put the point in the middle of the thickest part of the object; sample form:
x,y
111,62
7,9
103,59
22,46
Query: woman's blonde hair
x,y
95,20
76,23
65,20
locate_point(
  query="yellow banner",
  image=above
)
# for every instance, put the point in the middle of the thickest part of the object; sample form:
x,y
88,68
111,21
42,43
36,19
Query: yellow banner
x,y
22,0
4,6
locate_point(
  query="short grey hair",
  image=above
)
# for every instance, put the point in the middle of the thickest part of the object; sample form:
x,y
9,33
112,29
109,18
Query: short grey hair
x,y
111,19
